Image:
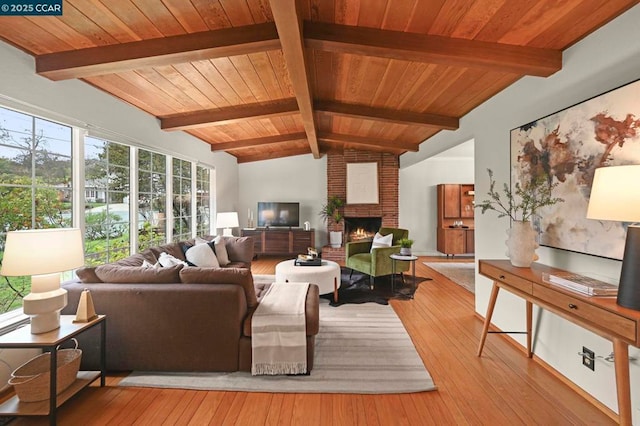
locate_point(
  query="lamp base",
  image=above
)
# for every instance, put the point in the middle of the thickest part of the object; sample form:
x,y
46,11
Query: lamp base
x,y
44,309
629,287
226,232
42,323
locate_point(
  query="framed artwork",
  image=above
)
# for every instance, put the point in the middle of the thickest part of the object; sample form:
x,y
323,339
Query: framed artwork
x,y
565,148
362,183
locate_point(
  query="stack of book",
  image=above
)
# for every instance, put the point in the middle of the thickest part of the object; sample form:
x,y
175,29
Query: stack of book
x,y
582,284
307,260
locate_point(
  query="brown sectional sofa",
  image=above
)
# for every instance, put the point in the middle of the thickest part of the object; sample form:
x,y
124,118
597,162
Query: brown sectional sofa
x,y
179,319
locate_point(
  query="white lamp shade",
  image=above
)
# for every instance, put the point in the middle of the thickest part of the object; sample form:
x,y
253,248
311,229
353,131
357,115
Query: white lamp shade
x,y
227,220
42,251
615,194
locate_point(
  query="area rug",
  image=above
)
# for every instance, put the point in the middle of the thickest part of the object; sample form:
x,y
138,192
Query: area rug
x,y
359,349
461,273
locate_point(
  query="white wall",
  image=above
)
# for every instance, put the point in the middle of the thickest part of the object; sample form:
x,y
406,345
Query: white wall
x,y
418,197
300,179
608,58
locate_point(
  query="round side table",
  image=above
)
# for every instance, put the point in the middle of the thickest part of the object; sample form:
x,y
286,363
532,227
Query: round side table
x,y
402,258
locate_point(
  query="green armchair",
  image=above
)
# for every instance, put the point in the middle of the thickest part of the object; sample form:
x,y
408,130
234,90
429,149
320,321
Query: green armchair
x,y
375,263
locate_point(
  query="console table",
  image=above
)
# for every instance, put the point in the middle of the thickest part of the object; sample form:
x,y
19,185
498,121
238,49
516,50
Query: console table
x,y
282,241
600,315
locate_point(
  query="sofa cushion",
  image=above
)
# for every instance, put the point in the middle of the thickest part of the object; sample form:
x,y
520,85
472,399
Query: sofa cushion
x,y
174,249
220,247
88,275
238,276
112,273
133,260
202,255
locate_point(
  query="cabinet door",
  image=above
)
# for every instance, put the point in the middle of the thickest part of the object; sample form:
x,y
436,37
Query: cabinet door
x,y
454,241
276,242
301,241
451,201
466,200
470,241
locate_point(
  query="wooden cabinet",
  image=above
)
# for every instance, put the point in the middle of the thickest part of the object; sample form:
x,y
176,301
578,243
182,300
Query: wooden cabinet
x,y
455,204
280,241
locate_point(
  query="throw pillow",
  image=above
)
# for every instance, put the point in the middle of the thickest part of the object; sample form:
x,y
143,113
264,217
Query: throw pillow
x,y
381,241
167,260
88,275
136,275
220,246
202,255
237,276
147,264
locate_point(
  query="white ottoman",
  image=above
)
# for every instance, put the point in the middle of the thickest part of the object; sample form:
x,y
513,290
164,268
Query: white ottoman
x,y
325,276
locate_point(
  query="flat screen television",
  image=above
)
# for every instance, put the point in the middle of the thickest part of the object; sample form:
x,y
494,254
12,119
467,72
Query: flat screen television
x,y
278,214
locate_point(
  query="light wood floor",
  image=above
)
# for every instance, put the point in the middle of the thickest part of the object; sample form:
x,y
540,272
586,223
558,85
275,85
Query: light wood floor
x,y
501,388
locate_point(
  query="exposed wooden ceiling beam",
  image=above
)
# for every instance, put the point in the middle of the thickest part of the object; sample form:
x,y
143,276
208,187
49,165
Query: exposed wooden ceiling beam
x,y
276,154
432,49
229,115
289,25
250,143
160,51
387,115
366,141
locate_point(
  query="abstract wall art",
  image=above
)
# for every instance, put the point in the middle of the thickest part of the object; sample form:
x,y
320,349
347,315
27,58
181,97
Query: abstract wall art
x,y
565,148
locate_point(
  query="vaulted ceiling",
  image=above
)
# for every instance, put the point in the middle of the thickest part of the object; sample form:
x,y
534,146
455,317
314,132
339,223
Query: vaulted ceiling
x,y
264,79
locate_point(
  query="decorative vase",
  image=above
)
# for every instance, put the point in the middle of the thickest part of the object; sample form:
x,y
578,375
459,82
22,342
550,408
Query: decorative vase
x,y
521,244
335,239
405,251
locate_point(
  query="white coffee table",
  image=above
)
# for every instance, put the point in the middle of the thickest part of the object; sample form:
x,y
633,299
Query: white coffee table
x,y
325,276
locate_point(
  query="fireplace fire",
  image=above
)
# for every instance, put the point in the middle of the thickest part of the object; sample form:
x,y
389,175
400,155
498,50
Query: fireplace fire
x,y
361,228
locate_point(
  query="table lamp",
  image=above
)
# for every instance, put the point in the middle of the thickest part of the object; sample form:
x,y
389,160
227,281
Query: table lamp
x,y
615,195
227,221
43,254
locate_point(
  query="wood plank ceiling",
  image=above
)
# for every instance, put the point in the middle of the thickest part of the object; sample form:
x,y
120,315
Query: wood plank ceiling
x,y
264,79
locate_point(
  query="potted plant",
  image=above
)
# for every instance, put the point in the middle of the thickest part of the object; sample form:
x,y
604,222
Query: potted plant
x,y
331,212
520,204
405,246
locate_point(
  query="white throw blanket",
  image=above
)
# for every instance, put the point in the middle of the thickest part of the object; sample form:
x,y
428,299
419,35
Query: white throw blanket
x,y
278,331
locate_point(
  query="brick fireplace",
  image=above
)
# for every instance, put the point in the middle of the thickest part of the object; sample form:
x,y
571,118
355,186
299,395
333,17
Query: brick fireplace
x,y
386,209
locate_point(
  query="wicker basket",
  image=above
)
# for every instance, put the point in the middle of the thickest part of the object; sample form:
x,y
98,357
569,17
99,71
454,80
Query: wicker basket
x,y
31,379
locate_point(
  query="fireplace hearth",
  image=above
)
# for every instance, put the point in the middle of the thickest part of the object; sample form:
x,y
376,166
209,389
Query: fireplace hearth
x,y
361,228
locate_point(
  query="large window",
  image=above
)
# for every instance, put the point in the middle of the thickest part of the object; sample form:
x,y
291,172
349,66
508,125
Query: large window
x,y
181,200
152,198
107,222
203,214
36,191
35,185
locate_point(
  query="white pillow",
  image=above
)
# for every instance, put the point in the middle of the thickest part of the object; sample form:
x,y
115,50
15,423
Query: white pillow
x,y
166,260
202,255
221,251
381,241
146,264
